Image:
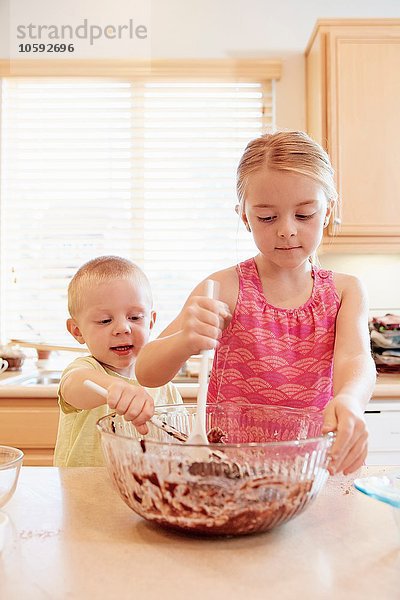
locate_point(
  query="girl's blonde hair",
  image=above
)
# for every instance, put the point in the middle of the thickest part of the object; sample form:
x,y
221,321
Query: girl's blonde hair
x,y
100,270
287,151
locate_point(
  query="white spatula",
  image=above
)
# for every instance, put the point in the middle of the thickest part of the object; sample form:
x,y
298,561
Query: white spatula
x,y
198,434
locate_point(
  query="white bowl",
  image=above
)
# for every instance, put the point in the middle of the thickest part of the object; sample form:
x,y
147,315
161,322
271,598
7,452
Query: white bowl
x,y
10,465
3,529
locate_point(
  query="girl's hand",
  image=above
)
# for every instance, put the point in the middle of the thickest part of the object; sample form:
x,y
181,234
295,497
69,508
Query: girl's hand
x,y
131,401
350,448
202,321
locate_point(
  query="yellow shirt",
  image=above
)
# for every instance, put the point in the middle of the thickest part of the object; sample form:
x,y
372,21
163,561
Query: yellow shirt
x,y
78,440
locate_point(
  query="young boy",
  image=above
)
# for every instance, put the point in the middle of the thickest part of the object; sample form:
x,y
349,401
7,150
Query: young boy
x,y
110,304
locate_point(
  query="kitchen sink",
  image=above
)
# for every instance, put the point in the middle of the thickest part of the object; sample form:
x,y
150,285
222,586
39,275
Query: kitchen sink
x,y
45,378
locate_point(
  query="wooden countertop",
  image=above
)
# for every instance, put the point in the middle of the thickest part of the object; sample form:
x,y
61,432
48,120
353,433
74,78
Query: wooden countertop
x,y
71,536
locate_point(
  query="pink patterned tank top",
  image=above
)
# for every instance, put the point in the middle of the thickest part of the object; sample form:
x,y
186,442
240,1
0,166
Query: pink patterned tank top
x,y
281,356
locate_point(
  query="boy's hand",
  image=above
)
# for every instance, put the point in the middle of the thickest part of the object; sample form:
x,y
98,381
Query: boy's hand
x,y
202,322
350,448
131,401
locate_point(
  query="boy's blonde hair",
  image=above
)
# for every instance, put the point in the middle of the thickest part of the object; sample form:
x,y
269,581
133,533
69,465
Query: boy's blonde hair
x,y
287,151
99,270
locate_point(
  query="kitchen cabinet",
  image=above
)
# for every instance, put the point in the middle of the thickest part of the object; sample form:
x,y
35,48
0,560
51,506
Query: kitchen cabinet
x,y
31,425
382,417
353,95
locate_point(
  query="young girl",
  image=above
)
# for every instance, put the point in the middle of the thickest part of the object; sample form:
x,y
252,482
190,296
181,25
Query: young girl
x,y
285,332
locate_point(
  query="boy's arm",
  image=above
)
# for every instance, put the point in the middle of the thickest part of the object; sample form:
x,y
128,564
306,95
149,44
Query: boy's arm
x,y
354,376
78,395
131,401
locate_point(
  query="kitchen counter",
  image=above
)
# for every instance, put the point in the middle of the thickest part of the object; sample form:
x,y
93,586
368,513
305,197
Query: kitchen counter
x,y
11,386
29,414
187,390
71,536
387,386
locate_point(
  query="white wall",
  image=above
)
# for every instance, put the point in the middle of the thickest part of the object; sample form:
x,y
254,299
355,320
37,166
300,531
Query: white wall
x,y
218,29
380,274
203,29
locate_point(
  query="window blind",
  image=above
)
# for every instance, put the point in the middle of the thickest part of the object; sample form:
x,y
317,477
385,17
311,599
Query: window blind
x,y
144,170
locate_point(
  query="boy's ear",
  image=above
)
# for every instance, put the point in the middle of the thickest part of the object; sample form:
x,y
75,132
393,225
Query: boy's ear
x,y
153,317
75,331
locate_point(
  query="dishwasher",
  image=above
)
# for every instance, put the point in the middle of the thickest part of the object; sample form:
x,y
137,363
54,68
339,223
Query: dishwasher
x,y
383,423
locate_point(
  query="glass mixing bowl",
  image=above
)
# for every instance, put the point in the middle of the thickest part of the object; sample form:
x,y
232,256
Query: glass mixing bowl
x,y
271,467
10,465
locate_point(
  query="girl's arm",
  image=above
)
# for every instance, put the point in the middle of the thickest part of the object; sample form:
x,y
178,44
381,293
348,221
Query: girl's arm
x,y
354,376
198,327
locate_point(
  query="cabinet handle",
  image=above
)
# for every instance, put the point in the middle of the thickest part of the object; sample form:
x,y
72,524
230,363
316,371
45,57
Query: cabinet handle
x,y
337,221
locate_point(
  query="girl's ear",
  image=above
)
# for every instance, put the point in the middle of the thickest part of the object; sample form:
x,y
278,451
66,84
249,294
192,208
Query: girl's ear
x,y
328,214
153,318
242,215
75,331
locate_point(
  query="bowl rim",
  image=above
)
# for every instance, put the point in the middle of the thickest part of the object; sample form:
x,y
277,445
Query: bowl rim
x,y
20,456
370,486
329,437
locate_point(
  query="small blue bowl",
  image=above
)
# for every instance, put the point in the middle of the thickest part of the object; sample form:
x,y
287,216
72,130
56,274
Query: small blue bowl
x,y
385,488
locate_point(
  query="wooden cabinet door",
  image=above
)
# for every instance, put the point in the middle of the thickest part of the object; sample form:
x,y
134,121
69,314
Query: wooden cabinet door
x,y
353,84
30,424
